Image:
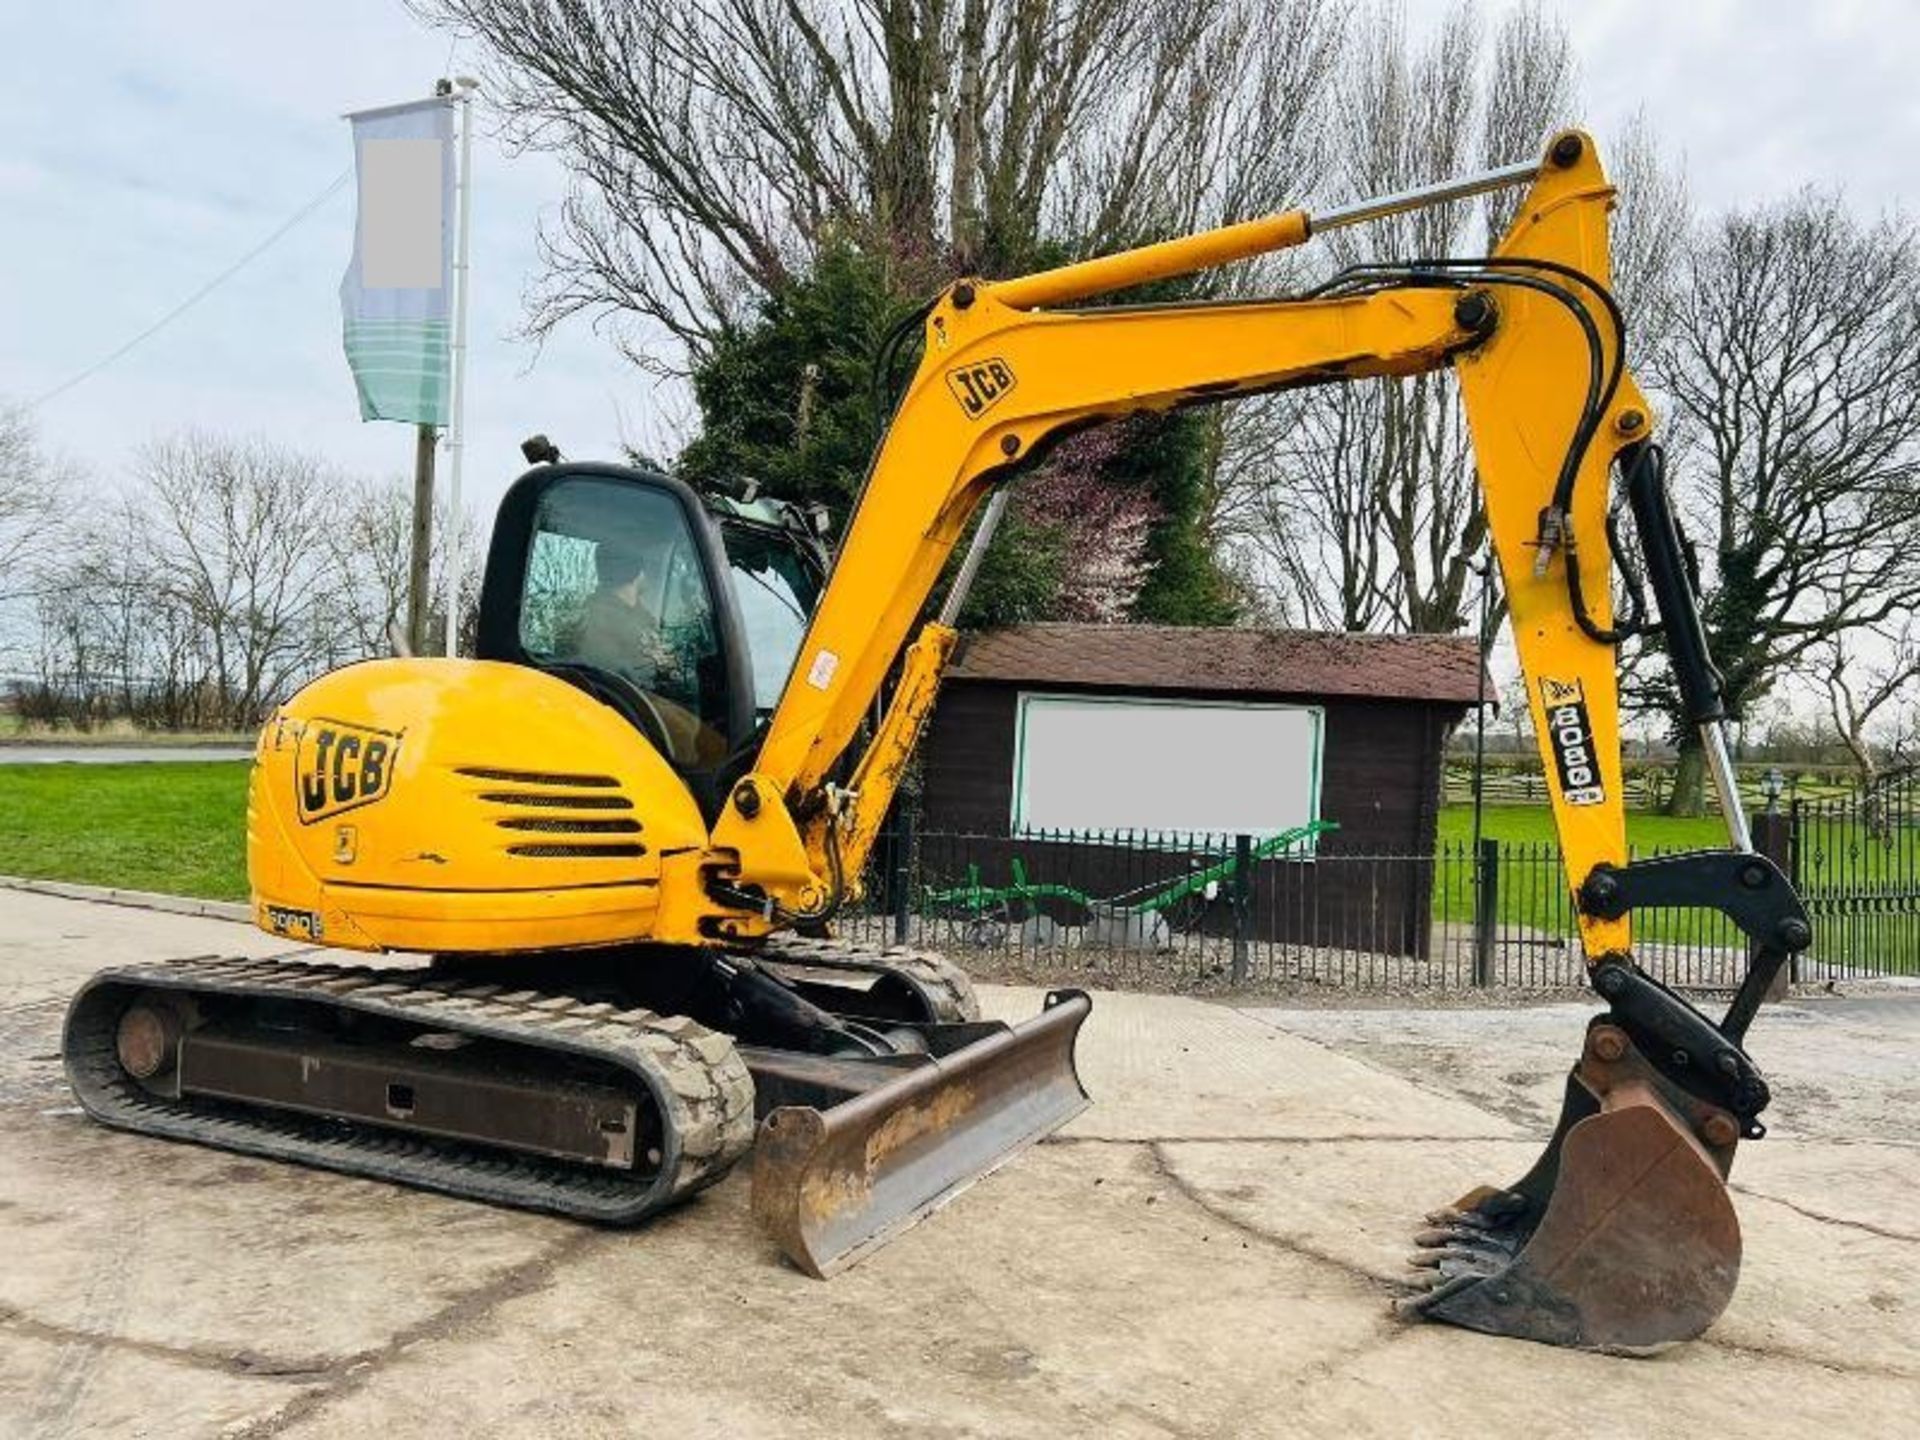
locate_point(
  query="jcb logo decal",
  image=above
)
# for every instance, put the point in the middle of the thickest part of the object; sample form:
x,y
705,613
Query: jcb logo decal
x,y
340,766
978,387
1570,734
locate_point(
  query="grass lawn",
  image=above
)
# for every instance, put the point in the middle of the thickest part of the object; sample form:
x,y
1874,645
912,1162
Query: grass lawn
x,y
1533,824
1533,887
1839,854
179,828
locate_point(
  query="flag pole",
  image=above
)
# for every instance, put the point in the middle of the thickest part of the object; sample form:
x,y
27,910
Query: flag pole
x,y
456,420
420,560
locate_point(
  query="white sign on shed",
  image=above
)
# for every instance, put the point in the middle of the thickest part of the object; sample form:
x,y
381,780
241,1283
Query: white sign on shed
x,y
1104,764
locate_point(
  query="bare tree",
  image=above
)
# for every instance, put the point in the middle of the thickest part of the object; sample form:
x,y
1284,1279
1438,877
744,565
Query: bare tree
x,y
717,144
32,486
1297,515
1356,505
226,574
1793,364
1864,688
1652,228
36,524
114,641
369,546
231,572
238,544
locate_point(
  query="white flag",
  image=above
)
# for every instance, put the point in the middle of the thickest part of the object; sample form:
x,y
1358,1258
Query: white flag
x,y
396,297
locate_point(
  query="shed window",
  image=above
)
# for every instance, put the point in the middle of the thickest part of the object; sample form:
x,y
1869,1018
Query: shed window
x,y
1101,765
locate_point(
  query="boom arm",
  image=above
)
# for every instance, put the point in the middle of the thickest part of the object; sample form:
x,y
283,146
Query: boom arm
x,y
997,380
1621,1235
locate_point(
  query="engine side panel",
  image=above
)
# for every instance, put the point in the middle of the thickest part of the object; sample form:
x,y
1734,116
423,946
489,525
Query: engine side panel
x,y
462,806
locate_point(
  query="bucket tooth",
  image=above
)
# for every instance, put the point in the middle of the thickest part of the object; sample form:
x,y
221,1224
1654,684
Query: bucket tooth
x,y
1622,1237
830,1186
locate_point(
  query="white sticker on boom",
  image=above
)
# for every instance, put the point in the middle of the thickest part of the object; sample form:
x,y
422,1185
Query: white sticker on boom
x,y
1575,755
820,675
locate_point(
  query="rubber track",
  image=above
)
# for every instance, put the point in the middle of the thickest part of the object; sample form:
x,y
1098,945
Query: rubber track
x,y
699,1085
942,985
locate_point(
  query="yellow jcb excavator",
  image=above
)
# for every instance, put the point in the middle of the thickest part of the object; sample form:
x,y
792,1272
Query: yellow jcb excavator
x,y
623,831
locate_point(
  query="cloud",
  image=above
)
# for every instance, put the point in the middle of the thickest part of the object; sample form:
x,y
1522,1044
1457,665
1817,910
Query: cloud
x,y
217,120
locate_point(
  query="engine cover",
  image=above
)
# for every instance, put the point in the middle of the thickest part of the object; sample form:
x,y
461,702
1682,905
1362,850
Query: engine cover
x,y
463,806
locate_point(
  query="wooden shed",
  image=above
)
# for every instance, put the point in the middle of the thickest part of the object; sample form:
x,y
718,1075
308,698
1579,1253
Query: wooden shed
x,y
1131,736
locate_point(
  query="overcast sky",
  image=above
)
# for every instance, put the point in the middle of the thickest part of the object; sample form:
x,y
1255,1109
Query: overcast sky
x,y
148,146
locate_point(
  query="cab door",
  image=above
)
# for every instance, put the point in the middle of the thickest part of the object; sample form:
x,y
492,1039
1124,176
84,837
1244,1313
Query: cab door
x,y
615,580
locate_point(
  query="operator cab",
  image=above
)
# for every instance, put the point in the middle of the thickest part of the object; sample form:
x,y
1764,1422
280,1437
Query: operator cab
x,y
681,611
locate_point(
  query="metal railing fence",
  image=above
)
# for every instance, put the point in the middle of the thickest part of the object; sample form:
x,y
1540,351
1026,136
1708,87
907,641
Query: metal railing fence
x,y
1188,911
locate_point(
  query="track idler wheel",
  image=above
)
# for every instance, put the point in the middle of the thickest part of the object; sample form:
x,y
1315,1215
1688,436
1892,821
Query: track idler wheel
x,y
1622,1237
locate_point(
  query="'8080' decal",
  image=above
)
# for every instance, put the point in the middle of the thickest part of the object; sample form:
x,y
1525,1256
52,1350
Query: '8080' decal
x,y
1570,736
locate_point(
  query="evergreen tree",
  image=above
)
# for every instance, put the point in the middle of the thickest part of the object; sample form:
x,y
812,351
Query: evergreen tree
x,y
1109,526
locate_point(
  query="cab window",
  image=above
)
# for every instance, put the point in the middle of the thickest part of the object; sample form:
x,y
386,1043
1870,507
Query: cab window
x,y
615,585
776,591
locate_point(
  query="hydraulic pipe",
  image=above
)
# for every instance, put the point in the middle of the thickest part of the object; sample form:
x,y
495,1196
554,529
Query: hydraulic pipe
x,y
976,553
1701,692
1155,262
1422,196
1713,737
1234,242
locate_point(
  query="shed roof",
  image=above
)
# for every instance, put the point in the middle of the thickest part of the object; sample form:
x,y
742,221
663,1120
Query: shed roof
x,y
1192,659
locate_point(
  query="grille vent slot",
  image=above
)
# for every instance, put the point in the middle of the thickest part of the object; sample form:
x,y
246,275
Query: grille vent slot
x,y
537,777
551,850
557,813
571,825
535,800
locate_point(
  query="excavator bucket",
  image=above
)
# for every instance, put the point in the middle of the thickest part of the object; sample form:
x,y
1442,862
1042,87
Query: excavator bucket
x,y
832,1184
1621,1238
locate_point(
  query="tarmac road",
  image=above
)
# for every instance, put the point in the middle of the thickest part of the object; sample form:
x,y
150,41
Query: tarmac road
x,y
1208,1252
118,754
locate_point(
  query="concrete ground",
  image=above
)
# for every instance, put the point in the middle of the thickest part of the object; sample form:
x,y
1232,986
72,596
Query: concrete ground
x,y
1209,1251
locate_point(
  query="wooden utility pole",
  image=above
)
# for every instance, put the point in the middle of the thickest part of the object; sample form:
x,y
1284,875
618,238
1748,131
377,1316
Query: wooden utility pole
x,y
419,568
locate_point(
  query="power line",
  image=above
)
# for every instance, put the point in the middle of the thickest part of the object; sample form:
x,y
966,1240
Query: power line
x,y
197,296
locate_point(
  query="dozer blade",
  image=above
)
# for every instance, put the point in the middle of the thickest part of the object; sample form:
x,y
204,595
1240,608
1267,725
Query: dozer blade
x,y
1621,1238
833,1185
